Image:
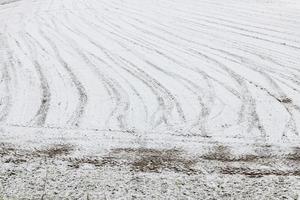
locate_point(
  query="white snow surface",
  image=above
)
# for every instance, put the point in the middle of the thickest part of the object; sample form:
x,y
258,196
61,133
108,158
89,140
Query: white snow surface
x,y
148,74
201,68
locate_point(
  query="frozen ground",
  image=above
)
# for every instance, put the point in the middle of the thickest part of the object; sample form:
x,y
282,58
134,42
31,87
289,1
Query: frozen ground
x,y
156,99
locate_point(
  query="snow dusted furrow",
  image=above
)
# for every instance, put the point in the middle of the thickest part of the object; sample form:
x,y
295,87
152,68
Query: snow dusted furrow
x,y
215,69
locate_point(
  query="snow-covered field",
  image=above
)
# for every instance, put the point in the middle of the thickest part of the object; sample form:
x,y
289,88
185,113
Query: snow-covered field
x,y
157,99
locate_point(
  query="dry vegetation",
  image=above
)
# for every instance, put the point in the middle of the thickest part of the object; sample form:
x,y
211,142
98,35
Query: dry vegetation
x,y
153,160
259,172
156,161
224,154
54,150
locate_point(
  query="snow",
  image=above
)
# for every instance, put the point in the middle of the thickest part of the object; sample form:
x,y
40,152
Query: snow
x,y
190,75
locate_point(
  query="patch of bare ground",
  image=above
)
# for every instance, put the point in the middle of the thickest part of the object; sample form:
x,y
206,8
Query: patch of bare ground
x,y
54,150
6,149
284,100
259,172
15,160
141,160
97,162
10,153
153,160
224,154
294,156
148,160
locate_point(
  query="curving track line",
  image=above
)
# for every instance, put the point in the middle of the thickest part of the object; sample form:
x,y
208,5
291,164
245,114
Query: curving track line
x,y
214,69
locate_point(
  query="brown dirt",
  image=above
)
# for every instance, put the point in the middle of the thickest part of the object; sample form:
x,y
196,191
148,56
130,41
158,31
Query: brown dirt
x,y
259,172
54,150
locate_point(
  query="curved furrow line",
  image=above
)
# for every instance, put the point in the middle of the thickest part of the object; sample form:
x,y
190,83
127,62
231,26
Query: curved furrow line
x,y
283,72
282,80
155,48
5,99
117,94
210,22
290,125
178,107
188,84
164,14
199,122
206,76
280,96
243,32
251,64
40,117
78,113
11,81
231,90
120,97
243,24
255,13
264,13
130,85
273,68
275,71
204,112
162,104
237,45
141,42
193,87
166,100
120,111
165,105
205,68
44,53
247,112
228,18
217,29
22,76
114,92
167,32
160,100
5,81
265,70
